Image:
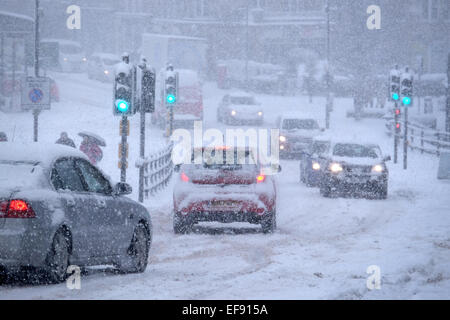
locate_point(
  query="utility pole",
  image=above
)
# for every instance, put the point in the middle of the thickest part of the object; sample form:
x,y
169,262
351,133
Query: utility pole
x,y
447,115
246,47
36,67
405,141
328,102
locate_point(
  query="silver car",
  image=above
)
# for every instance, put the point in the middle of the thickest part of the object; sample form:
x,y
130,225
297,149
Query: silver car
x,y
56,210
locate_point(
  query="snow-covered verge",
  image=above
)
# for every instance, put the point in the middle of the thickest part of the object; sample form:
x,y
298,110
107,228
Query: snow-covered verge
x,y
322,247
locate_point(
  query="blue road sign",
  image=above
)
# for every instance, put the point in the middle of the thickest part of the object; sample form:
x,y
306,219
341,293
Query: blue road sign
x,y
35,95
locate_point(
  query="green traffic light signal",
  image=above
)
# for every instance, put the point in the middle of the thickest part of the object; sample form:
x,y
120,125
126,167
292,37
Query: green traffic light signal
x,y
170,99
122,106
406,101
395,96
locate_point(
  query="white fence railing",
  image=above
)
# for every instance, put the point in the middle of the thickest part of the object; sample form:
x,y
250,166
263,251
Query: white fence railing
x,y
158,169
421,138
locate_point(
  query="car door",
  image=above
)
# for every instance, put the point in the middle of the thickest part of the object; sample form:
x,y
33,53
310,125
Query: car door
x,y
110,220
77,206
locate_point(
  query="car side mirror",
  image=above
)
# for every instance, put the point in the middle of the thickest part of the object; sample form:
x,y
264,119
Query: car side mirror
x,y
122,188
177,167
387,158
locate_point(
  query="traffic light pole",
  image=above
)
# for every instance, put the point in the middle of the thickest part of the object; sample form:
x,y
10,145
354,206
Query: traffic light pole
x,y
405,141
142,154
36,112
396,116
123,150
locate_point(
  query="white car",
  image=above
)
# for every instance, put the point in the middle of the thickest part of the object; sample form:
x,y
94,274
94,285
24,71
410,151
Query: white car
x,y
240,109
101,66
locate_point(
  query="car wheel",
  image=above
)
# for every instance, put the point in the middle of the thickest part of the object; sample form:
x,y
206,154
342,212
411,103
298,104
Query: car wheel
x,y
58,258
137,254
3,275
269,223
383,192
181,225
325,190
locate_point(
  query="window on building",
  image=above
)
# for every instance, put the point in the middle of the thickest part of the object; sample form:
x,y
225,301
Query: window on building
x,y
434,9
445,9
425,9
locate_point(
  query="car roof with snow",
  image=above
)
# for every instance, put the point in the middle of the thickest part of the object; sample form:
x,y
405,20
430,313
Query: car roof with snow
x,y
36,153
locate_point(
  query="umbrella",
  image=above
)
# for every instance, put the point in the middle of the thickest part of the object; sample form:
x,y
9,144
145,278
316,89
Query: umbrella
x,y
92,136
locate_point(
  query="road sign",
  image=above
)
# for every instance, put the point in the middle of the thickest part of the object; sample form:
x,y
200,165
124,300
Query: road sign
x,y
36,93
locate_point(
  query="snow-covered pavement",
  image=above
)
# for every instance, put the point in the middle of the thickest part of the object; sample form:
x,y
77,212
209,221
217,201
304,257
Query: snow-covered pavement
x,y
322,247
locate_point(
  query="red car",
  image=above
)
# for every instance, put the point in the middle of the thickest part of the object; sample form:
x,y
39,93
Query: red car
x,y
211,188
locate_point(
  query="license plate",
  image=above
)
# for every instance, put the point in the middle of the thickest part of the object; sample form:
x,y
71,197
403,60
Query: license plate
x,y
223,205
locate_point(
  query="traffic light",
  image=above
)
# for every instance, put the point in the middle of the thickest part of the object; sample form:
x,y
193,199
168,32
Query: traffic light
x,y
171,87
148,90
406,89
397,122
394,87
123,94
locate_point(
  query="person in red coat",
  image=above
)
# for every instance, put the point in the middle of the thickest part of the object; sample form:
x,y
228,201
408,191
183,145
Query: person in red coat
x,y
92,150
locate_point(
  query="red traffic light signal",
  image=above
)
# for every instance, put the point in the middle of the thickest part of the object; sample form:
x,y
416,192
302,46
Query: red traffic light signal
x,y
397,112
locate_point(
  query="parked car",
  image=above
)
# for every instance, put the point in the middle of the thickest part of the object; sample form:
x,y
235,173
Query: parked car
x,y
240,109
353,168
296,133
313,162
56,210
235,191
101,66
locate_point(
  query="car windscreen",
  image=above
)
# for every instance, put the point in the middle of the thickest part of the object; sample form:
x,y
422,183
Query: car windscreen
x,y
355,151
69,49
320,147
242,100
224,159
19,174
302,124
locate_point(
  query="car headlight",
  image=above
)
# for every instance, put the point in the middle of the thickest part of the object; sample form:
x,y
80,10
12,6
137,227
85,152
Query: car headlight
x,y
316,166
65,59
233,112
282,138
378,168
106,72
260,113
335,167
84,59
281,147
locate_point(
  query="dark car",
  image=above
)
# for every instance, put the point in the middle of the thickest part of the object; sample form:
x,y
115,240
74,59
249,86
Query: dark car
x,y
352,168
56,210
231,191
313,161
296,133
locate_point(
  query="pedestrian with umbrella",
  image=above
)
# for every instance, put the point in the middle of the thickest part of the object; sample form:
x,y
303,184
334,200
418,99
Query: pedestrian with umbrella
x,y
91,146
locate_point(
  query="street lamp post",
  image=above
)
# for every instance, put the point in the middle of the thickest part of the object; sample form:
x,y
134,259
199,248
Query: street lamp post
x,y
36,68
328,102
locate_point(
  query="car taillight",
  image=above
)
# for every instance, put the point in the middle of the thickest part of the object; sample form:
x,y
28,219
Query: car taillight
x,y
184,177
260,178
16,209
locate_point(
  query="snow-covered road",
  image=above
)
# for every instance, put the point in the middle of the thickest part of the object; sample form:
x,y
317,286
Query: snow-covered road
x,y
322,247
